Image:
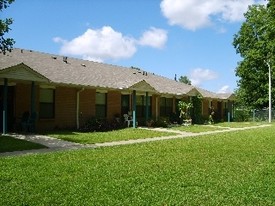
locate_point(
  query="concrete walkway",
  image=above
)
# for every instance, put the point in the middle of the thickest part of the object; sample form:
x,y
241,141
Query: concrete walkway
x,y
54,144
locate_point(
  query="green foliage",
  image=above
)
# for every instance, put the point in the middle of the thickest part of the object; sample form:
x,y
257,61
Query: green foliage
x,y
6,44
162,122
94,124
191,110
242,115
256,45
185,80
185,109
197,110
234,168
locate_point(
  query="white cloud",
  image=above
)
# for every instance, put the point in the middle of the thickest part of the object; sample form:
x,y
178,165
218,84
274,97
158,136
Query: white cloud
x,y
106,43
154,37
200,75
225,89
196,14
59,40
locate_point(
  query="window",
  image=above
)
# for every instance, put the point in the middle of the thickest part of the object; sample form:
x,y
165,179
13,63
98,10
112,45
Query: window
x,y
101,105
46,104
125,102
166,106
169,106
141,106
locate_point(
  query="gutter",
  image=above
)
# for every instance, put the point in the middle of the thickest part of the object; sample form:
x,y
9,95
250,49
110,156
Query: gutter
x,y
77,106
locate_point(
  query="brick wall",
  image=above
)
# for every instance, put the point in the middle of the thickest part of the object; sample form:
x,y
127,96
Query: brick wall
x,y
205,109
65,107
22,99
86,105
154,106
113,104
65,110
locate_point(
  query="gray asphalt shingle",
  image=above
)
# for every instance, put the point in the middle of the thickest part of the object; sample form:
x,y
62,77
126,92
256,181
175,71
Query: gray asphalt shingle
x,y
84,73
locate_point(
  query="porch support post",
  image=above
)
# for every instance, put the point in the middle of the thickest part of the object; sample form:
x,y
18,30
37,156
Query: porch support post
x,y
134,108
33,98
147,107
5,106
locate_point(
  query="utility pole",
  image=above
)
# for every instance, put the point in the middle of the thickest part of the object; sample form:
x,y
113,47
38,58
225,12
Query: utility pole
x,y
269,93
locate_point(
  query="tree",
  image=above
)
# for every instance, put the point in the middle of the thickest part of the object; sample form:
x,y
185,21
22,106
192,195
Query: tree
x,y
185,80
6,44
255,43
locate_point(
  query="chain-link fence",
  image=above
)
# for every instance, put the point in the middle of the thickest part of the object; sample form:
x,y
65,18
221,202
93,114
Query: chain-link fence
x,y
262,115
253,115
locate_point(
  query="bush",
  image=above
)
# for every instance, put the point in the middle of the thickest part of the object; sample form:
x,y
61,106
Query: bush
x,y
242,115
162,122
101,125
174,118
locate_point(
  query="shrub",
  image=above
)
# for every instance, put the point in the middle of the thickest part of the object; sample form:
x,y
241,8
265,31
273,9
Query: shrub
x,y
242,115
101,125
162,122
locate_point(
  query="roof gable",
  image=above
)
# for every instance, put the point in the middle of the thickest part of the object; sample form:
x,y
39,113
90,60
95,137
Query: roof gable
x,y
22,72
143,86
227,96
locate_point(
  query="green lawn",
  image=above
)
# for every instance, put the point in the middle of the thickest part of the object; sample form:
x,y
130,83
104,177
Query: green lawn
x,y
99,137
235,168
10,144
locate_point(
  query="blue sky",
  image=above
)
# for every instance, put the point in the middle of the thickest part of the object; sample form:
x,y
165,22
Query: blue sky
x,y
166,37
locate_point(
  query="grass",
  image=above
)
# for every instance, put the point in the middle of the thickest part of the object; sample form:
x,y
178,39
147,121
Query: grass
x,y
99,137
235,168
10,144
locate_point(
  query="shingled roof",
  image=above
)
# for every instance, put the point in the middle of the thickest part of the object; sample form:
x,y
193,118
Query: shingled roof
x,y
77,72
212,95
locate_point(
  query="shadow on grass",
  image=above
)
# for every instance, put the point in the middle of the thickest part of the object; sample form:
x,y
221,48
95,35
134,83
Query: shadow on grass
x,y
10,144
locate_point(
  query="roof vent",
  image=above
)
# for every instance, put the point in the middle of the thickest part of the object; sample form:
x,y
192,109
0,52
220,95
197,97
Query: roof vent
x,y
65,59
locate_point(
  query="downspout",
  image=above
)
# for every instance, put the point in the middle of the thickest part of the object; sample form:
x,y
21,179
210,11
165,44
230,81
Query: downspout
x,y
77,107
